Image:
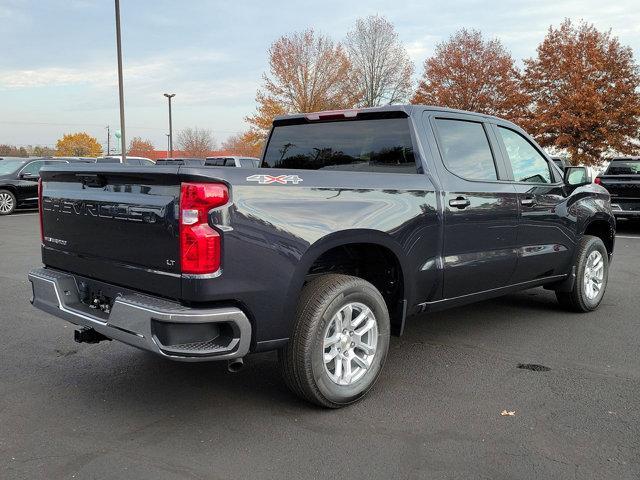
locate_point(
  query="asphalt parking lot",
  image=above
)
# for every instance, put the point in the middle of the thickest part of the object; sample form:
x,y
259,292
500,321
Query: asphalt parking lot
x,y
109,411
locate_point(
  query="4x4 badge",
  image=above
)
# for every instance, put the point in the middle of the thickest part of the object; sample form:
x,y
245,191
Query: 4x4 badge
x,y
266,179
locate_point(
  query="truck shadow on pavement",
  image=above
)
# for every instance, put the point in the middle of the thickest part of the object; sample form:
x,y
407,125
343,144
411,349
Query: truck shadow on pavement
x,y
132,379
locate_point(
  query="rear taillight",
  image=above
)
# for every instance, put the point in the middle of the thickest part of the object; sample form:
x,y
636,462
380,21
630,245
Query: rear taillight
x,y
597,181
40,210
199,243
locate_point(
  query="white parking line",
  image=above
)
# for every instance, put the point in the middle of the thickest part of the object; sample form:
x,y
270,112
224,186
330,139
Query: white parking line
x,y
625,236
18,215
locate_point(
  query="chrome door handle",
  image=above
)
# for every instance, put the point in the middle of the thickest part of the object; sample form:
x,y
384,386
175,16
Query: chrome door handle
x,y
527,202
459,202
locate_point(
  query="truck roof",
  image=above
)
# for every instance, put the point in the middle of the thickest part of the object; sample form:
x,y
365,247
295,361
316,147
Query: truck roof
x,y
407,109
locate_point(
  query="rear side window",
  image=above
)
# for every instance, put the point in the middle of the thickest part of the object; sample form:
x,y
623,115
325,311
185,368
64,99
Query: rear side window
x,y
527,163
214,162
380,146
465,149
248,163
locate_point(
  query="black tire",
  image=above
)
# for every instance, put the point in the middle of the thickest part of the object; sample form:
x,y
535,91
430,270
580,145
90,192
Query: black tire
x,y
302,360
10,206
577,299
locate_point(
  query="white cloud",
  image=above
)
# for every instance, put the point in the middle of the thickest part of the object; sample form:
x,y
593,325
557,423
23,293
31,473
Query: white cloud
x,y
104,74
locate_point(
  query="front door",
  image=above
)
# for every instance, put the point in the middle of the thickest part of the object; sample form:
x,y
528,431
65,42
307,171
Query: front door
x,y
480,209
545,234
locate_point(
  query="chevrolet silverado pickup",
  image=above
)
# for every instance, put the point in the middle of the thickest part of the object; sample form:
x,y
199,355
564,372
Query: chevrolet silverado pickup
x,y
622,181
355,221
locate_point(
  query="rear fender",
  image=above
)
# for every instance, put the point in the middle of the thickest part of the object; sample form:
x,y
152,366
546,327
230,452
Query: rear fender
x,y
335,240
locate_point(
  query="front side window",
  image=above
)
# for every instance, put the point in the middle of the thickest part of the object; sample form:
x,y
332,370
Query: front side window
x,y
372,145
465,149
527,163
33,168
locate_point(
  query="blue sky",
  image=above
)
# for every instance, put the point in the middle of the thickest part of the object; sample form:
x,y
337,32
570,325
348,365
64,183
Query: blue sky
x,y
58,65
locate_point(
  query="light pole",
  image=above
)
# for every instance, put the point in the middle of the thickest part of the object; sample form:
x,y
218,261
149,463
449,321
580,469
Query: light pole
x,y
168,141
123,142
170,96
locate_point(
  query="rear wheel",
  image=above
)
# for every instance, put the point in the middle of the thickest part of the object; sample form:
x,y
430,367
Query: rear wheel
x,y
592,275
339,343
7,202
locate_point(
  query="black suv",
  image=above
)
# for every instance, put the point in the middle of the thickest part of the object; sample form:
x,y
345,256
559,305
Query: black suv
x,y
19,182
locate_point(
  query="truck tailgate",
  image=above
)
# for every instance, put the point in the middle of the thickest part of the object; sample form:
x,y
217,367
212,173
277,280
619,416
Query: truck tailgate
x,y
624,190
115,223
622,185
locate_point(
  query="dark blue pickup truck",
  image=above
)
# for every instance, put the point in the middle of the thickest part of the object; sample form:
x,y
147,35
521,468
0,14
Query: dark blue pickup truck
x,y
355,221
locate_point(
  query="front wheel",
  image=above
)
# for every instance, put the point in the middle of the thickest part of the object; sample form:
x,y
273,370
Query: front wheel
x,y
592,276
7,202
339,342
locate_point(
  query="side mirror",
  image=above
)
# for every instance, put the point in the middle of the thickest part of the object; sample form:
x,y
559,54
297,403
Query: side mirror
x,y
28,176
576,176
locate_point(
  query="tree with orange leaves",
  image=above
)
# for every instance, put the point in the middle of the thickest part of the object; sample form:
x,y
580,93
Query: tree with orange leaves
x,y
140,148
79,144
584,95
468,72
248,144
308,72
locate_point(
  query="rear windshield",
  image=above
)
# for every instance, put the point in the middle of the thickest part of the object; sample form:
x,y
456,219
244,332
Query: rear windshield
x,y
624,167
381,145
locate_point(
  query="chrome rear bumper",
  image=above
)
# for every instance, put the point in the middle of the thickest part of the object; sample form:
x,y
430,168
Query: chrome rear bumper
x,y
150,323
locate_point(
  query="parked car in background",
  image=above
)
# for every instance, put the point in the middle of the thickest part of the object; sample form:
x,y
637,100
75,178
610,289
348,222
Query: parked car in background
x,y
622,180
19,181
561,162
74,159
139,161
180,161
233,161
12,158
356,221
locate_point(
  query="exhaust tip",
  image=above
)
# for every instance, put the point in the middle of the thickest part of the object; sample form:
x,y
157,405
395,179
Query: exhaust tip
x,y
235,365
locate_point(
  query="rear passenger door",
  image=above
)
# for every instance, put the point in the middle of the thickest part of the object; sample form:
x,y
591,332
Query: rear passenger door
x,y
546,235
480,207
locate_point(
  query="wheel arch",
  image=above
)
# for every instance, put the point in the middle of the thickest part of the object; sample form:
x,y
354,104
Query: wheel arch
x,y
354,239
603,227
10,188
